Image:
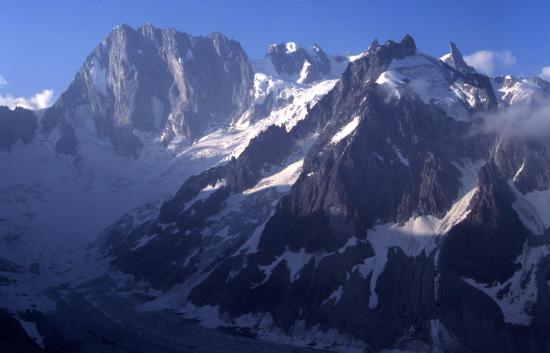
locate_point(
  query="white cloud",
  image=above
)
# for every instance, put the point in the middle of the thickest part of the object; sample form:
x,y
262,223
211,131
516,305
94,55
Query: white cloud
x,y
3,81
486,61
38,101
545,73
529,120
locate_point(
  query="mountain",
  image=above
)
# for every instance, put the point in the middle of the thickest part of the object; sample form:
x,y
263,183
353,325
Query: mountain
x,y
456,61
387,202
291,62
390,217
155,80
513,90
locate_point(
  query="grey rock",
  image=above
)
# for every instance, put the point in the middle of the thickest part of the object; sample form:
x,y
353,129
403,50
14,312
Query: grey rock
x,y
156,80
456,61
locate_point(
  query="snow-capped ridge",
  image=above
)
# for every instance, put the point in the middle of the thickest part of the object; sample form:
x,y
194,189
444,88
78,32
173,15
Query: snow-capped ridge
x,y
294,63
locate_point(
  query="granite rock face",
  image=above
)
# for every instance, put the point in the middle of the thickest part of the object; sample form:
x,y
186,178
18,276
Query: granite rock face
x,y
456,61
155,80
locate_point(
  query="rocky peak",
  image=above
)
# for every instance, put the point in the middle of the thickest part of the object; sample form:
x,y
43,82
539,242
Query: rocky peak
x,y
157,80
455,60
377,58
404,48
374,44
407,46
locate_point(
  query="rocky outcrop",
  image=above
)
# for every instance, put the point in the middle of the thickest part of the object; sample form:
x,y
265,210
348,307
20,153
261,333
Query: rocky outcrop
x,y
18,125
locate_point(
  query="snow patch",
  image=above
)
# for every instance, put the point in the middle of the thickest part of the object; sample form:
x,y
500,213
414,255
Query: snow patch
x,y
291,47
353,58
304,72
144,240
98,75
294,262
418,235
220,183
281,181
517,296
402,158
32,331
518,173
345,131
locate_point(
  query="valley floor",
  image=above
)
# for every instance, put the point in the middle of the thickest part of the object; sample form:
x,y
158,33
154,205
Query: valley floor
x,y
93,318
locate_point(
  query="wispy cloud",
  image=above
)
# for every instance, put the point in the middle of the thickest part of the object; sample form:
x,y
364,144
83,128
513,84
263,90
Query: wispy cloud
x,y
529,120
40,100
3,81
486,61
545,73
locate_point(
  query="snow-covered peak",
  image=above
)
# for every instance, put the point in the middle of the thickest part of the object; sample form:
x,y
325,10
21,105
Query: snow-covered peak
x,y
513,90
427,78
293,63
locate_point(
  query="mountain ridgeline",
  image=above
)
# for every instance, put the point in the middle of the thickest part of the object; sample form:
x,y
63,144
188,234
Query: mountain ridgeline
x,y
398,210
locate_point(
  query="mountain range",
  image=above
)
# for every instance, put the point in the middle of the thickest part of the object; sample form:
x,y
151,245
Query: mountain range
x,y
389,201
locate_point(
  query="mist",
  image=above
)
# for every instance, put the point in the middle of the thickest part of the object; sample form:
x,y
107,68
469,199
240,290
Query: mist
x,y
526,120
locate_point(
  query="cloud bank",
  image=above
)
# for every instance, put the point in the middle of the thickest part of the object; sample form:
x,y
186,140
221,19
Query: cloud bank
x,y
486,61
545,73
529,120
40,100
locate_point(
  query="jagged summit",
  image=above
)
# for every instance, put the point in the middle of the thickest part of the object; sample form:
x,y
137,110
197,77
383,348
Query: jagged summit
x,y
390,49
407,44
455,59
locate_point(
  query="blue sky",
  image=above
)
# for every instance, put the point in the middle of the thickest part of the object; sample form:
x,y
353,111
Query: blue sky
x,y
45,42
